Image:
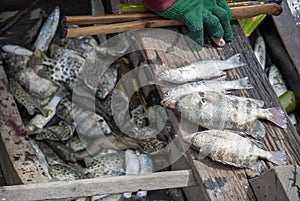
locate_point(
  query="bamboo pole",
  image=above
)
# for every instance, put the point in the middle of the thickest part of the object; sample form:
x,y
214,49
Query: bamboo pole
x,y
128,22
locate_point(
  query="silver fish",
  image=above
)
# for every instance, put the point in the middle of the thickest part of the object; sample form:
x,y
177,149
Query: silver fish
x,y
214,110
132,163
47,31
230,148
221,86
206,69
277,81
98,9
41,157
260,51
17,50
36,85
107,82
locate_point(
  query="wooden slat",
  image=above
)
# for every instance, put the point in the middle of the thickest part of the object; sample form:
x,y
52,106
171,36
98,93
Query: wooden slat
x,y
17,158
105,185
220,182
280,183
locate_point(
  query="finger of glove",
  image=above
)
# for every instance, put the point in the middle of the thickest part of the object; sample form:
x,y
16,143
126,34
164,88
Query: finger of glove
x,y
194,22
223,4
212,24
224,18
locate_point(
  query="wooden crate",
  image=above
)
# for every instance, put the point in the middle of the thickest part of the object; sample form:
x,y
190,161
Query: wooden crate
x,y
207,180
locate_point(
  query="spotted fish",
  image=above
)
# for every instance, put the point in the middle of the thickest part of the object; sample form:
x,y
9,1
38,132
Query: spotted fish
x,y
55,133
230,148
206,69
108,164
25,99
214,110
63,67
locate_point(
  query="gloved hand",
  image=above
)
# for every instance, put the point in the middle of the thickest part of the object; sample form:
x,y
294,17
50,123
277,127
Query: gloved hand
x,y
211,15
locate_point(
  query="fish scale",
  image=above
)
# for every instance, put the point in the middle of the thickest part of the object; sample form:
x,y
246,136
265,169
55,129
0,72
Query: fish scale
x,y
218,111
229,147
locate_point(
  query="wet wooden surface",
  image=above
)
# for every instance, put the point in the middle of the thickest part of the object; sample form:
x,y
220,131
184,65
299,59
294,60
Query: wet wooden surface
x,y
17,159
217,181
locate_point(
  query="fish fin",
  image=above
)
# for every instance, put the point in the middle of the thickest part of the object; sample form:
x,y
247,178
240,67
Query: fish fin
x,y
45,112
258,143
278,157
258,131
242,83
36,58
233,62
257,167
277,116
203,152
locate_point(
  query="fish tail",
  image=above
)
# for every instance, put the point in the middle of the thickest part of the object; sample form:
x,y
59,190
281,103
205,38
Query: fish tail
x,y
45,112
242,83
233,62
277,116
258,131
278,157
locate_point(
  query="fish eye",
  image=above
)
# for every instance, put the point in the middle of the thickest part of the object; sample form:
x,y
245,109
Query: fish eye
x,y
167,93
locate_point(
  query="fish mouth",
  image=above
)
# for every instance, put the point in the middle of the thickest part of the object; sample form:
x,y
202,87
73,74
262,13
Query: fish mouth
x,y
166,103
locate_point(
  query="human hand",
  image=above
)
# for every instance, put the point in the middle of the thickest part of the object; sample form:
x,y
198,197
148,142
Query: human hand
x,y
211,15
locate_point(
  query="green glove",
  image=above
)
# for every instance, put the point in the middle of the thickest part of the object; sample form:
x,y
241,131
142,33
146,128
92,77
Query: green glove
x,y
213,15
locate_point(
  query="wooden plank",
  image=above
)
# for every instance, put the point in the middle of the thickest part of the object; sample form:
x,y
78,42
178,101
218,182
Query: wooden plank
x,y
220,182
105,185
280,183
17,158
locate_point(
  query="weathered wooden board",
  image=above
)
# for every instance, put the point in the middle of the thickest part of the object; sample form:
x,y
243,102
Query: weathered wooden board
x,y
98,186
17,159
280,183
220,182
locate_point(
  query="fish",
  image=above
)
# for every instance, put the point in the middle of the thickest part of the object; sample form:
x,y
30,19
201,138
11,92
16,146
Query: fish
x,y
107,82
33,31
56,133
113,197
201,70
56,167
213,110
132,162
98,9
111,164
277,81
39,121
47,32
41,157
64,172
260,51
75,144
90,126
221,86
25,99
146,166
14,63
17,50
36,85
230,148
62,150
63,67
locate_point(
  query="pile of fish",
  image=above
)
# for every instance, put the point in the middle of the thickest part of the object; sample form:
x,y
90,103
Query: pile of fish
x,y
235,132
75,137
